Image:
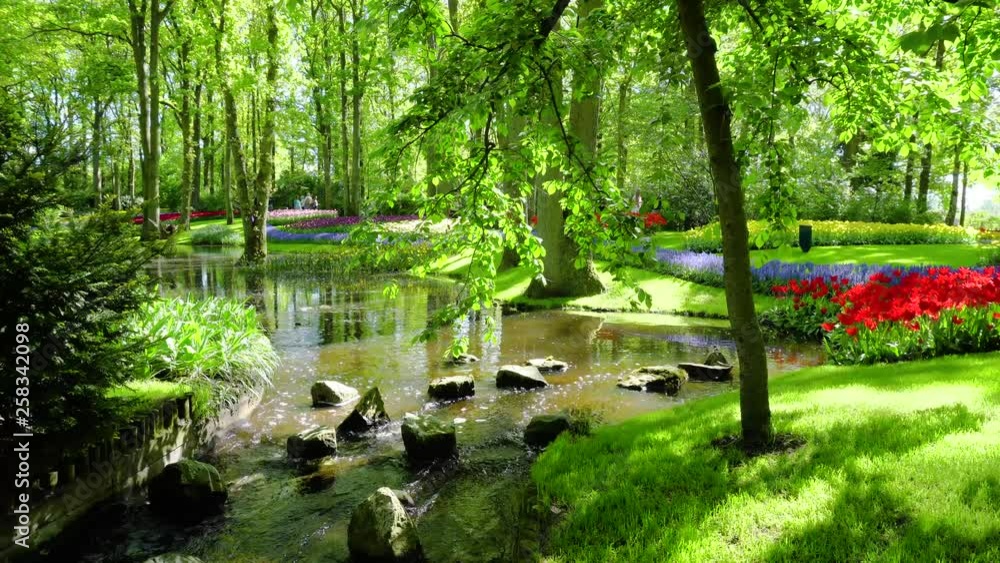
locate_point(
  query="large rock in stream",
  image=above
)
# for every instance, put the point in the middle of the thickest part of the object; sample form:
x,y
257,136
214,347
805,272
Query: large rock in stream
x,y
381,531
543,429
655,379
368,413
520,377
312,444
450,388
331,394
188,490
428,439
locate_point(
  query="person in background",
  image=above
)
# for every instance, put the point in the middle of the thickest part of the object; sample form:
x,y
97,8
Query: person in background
x,y
307,203
297,203
637,202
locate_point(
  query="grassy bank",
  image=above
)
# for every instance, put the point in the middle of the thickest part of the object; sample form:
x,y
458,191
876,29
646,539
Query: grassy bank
x,y
899,464
670,295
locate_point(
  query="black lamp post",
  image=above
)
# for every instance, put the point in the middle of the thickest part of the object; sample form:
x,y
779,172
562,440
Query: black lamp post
x,y
805,237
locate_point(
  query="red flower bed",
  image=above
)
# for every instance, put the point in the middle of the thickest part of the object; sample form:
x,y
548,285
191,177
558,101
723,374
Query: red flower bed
x,y
897,315
909,296
194,215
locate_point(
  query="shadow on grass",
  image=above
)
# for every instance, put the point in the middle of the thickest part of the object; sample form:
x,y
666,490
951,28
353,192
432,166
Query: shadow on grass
x,y
862,487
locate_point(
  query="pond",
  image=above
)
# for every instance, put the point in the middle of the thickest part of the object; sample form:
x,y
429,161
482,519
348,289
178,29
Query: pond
x,y
470,509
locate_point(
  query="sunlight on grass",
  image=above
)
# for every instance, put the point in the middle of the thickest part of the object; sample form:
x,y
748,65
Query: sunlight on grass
x,y
898,460
905,255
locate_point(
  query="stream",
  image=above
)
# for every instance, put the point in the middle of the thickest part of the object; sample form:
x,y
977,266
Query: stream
x,y
470,509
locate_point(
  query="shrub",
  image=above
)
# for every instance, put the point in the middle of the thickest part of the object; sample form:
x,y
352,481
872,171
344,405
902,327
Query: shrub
x,y
214,342
834,233
75,284
216,235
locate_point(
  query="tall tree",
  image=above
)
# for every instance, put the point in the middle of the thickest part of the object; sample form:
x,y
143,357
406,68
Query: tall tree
x,y
562,277
145,46
716,118
254,192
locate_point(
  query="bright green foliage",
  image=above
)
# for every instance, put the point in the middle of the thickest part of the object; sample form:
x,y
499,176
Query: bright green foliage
x,y
833,233
213,342
897,464
216,235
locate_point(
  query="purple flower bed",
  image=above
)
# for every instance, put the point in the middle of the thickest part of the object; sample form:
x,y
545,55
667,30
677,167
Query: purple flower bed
x,y
276,234
327,222
705,268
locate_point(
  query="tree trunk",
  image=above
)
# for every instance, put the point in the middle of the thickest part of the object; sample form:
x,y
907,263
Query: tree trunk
x,y
95,151
927,161
510,147
131,174
561,276
623,99
357,93
345,177
911,160
184,119
196,162
116,185
227,178
148,90
965,188
254,198
956,170
453,14
755,412
208,147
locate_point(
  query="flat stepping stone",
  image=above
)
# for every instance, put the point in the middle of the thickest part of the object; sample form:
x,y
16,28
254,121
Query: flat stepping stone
x,y
428,439
702,372
331,394
655,379
461,360
454,387
312,444
547,365
545,428
520,377
368,413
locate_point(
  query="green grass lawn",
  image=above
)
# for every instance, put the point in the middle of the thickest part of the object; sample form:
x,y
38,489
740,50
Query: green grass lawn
x,y
900,463
907,255
670,295
139,396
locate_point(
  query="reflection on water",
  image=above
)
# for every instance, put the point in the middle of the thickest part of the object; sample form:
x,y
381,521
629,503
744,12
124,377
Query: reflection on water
x,y
354,334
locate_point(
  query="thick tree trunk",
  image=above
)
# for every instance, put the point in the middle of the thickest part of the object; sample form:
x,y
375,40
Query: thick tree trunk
x,y
956,170
561,276
184,119
95,151
148,90
510,145
453,14
716,119
965,188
